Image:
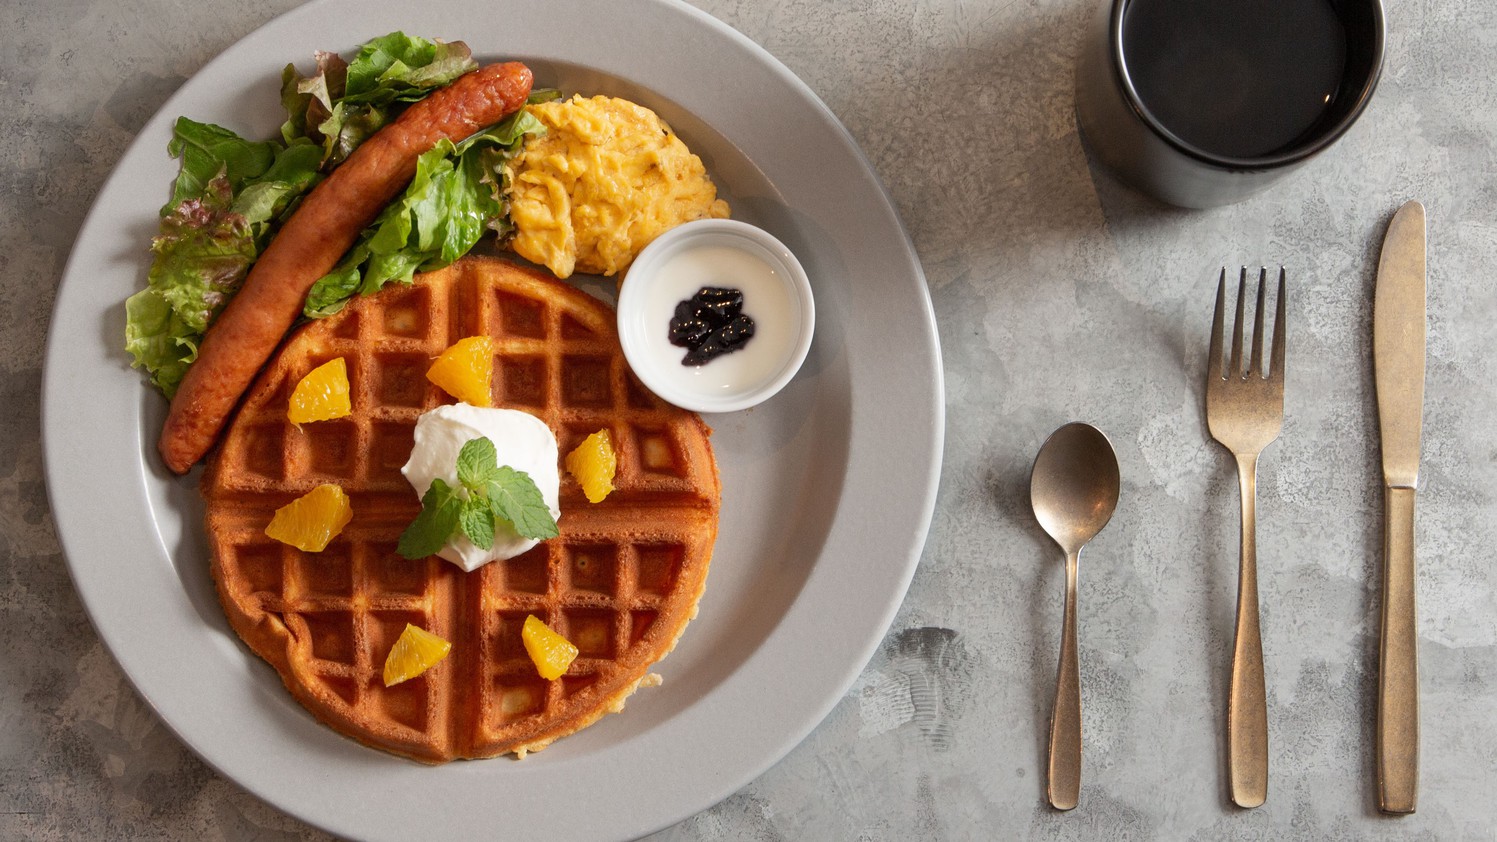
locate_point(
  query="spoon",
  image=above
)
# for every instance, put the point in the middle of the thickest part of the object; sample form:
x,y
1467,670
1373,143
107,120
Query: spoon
x,y
1073,489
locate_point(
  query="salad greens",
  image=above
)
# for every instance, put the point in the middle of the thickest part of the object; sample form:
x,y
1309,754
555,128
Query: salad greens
x,y
452,200
346,102
225,201
231,194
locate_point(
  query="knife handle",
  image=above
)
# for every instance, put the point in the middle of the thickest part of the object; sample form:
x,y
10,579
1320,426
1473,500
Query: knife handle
x,y
1398,672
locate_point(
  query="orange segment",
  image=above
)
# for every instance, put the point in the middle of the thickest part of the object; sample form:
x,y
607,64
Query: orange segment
x,y
551,652
312,520
321,395
415,651
593,464
465,370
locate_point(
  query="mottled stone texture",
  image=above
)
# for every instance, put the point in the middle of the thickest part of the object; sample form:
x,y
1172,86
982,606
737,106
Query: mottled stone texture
x,y
1060,295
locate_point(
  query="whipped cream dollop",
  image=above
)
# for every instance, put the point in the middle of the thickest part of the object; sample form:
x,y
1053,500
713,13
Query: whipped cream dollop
x,y
521,440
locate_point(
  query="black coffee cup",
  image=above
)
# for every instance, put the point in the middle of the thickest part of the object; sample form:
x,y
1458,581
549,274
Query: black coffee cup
x,y
1202,103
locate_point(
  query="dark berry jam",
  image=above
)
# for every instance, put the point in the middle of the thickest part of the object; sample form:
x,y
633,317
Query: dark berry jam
x,y
710,324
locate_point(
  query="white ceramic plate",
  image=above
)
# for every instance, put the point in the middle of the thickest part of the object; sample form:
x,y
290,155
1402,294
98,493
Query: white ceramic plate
x,y
827,488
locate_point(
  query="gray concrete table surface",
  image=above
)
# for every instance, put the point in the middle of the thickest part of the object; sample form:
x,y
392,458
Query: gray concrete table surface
x,y
1059,296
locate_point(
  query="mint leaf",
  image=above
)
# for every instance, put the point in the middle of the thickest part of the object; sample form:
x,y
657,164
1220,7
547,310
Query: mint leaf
x,y
441,509
477,465
514,497
477,522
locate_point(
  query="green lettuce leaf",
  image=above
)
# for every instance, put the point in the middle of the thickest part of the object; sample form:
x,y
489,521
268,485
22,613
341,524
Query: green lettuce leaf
x,y
310,99
346,128
336,288
158,339
453,199
206,151
266,199
404,67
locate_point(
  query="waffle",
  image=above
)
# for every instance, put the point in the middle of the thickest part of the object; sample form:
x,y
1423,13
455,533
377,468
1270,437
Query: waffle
x,y
621,580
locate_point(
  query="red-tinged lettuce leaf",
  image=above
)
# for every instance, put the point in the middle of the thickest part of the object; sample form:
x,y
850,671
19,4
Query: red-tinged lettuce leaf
x,y
202,254
227,199
201,257
308,100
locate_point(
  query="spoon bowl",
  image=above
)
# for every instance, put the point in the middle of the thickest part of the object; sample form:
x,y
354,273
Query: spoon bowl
x,y
1074,485
1073,489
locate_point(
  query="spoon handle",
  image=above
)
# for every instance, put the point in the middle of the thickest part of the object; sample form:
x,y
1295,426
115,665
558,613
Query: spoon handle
x,y
1247,707
1065,719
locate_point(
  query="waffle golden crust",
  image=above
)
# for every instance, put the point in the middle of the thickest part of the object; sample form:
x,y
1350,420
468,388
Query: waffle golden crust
x,y
621,580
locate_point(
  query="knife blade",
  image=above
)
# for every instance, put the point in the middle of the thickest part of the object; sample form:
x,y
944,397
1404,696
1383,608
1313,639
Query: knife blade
x,y
1398,349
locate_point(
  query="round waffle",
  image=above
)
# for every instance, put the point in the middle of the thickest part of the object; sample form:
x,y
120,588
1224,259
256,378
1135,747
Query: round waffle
x,y
621,580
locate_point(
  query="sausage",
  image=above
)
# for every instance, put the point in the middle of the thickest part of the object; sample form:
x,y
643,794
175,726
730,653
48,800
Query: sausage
x,y
312,242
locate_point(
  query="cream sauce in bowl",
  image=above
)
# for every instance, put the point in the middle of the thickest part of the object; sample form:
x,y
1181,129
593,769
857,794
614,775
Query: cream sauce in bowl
x,y
717,253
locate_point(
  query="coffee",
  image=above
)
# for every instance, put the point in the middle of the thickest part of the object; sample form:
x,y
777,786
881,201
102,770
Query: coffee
x,y
1237,78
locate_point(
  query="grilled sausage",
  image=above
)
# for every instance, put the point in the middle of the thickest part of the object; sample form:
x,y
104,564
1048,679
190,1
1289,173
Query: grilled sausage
x,y
312,242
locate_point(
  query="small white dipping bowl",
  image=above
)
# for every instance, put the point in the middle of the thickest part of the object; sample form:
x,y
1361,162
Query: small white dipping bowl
x,y
716,253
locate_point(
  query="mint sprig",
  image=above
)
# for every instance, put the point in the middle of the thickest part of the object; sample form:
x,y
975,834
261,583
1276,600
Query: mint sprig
x,y
487,493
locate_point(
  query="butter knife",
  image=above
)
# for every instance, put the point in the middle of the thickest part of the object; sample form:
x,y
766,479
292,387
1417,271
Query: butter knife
x,y
1398,333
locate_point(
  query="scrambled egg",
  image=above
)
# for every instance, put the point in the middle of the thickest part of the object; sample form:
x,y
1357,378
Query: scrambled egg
x,y
606,178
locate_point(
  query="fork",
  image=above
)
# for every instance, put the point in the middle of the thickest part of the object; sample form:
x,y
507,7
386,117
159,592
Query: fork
x,y
1244,412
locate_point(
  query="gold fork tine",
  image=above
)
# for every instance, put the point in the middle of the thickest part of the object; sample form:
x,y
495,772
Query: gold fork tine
x,y
1234,371
1214,356
1258,319
1276,372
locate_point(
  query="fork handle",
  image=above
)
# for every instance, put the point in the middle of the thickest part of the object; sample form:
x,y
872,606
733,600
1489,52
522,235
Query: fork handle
x,y
1398,673
1247,706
